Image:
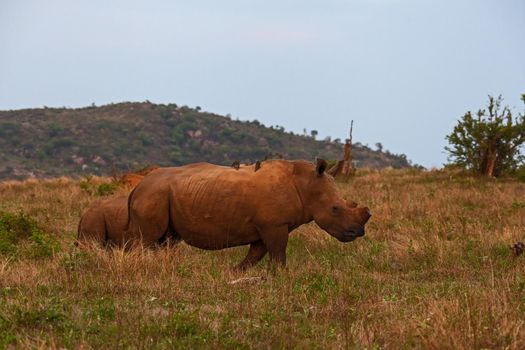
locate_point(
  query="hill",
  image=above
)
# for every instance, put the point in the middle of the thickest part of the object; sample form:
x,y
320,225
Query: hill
x,y
47,142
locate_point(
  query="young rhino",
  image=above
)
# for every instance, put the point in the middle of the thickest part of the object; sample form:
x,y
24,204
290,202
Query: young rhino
x,y
215,207
105,223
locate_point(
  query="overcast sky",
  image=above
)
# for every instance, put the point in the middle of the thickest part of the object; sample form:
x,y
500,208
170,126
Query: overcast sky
x,y
404,70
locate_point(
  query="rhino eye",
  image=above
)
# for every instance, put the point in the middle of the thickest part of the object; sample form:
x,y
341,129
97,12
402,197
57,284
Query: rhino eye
x,y
336,209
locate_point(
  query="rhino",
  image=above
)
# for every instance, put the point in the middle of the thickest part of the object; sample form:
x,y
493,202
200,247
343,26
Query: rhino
x,y
214,207
105,224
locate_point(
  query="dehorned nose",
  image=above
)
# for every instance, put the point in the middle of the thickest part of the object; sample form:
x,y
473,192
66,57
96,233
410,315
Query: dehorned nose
x,y
351,204
360,231
366,214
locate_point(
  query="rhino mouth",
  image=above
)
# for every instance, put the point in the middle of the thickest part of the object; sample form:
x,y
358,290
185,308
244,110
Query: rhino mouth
x,y
351,235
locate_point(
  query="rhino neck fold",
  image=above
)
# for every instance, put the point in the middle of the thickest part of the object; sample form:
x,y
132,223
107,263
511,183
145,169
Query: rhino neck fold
x,y
305,216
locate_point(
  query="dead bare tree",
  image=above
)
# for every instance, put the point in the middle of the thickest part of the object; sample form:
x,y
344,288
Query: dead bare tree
x,y
344,168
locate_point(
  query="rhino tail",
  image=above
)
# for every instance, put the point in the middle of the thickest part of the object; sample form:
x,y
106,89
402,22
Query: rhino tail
x,y
129,208
105,238
170,232
79,230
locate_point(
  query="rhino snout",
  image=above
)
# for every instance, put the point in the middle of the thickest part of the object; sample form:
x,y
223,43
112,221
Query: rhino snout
x,y
359,232
366,215
351,234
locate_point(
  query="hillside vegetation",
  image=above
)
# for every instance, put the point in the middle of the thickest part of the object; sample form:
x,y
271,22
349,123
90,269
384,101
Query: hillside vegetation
x,y
434,271
49,142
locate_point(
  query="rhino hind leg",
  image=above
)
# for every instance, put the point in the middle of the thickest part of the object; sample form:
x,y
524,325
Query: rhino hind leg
x,y
147,229
256,252
92,229
170,238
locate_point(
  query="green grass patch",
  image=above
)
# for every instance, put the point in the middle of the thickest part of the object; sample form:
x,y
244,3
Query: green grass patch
x,y
20,235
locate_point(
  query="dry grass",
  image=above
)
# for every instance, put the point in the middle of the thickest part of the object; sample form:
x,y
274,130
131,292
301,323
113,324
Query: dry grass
x,y
434,271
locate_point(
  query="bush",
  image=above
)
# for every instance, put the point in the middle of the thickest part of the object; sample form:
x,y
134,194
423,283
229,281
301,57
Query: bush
x,y
488,143
106,189
20,235
55,130
520,173
57,144
146,139
9,129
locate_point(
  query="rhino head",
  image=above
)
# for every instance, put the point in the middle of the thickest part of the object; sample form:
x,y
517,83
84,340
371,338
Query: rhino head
x,y
322,202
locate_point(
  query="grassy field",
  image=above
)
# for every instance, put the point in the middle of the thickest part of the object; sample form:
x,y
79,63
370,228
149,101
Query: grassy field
x,y
435,270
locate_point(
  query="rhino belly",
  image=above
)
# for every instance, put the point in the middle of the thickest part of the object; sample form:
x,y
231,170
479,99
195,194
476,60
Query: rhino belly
x,y
216,236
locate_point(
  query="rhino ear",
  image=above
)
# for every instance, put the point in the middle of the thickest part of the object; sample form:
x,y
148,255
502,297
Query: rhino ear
x,y
320,166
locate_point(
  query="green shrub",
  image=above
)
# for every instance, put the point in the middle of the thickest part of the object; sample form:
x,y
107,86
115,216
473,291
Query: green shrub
x,y
101,190
106,189
20,235
13,229
9,129
146,139
55,130
520,173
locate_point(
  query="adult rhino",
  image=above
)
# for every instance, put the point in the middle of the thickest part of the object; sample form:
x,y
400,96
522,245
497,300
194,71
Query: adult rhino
x,y
215,207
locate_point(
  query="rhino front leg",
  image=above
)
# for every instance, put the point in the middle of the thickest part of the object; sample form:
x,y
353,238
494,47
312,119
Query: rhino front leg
x,y
276,239
256,252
